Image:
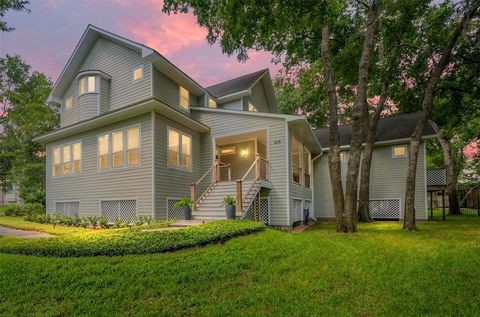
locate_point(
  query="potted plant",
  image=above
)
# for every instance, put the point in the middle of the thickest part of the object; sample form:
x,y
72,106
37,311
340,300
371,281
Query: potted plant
x,y
229,203
186,204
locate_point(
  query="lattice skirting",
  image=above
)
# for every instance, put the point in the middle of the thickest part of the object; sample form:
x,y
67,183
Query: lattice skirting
x,y
174,213
263,215
385,208
67,208
125,210
436,177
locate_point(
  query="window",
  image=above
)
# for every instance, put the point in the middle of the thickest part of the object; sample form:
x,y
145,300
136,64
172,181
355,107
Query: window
x,y
251,107
399,151
179,149
67,159
103,151
184,98
342,156
306,167
133,146
68,103
137,73
228,150
88,85
119,148
212,103
296,168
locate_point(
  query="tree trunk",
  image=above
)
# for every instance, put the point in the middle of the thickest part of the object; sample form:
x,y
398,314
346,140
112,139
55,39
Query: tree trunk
x,y
416,138
334,163
371,128
452,175
351,185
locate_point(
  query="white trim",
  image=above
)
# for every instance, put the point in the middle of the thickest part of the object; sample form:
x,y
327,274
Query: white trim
x,y
125,166
60,146
234,95
287,117
180,150
99,73
287,161
154,200
405,146
387,142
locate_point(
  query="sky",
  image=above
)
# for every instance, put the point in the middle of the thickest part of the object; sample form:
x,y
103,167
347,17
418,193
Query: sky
x,y
46,37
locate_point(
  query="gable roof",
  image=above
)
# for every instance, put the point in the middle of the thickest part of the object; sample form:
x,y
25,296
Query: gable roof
x,y
399,127
88,39
236,85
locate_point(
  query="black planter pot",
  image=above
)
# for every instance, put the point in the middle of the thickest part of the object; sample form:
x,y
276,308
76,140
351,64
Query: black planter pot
x,y
187,212
230,211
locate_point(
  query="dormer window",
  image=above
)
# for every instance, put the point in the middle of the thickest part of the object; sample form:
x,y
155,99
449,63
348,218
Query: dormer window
x,y
251,107
212,103
138,73
69,103
184,98
88,85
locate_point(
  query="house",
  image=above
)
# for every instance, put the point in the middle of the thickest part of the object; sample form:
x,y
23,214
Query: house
x,y
137,134
10,196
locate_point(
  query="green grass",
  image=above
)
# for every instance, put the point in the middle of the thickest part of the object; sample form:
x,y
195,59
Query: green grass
x,y
19,223
381,271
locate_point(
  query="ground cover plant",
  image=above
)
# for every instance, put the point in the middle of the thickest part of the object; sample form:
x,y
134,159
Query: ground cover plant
x,y
315,273
130,241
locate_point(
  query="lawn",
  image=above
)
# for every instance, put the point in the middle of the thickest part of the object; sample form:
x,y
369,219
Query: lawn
x,y
19,223
381,271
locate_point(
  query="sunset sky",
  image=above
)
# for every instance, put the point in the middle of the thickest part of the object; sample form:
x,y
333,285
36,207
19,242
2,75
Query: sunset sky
x,y
47,35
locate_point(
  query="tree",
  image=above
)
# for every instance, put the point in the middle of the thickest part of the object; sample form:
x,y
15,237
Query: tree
x,y
427,102
301,31
7,5
27,115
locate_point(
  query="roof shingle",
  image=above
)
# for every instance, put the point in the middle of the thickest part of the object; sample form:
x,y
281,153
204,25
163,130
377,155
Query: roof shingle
x,y
235,85
389,129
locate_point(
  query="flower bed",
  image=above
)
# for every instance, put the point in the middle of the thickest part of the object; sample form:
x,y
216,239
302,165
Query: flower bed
x,y
131,241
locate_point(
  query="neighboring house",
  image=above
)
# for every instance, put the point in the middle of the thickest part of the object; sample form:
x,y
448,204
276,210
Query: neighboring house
x,y
10,197
137,134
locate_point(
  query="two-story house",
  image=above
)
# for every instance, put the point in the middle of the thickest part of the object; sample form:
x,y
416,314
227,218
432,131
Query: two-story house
x,y
137,134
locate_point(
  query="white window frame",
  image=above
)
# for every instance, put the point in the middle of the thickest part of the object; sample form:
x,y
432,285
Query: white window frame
x,y
124,149
399,156
66,103
180,150
180,98
60,146
84,79
141,74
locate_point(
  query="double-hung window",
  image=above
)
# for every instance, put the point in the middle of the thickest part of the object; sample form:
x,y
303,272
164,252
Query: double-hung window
x,y
306,167
67,159
296,161
184,98
179,149
88,84
119,148
399,151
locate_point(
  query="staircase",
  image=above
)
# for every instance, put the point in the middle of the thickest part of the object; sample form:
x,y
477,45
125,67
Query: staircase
x,y
210,206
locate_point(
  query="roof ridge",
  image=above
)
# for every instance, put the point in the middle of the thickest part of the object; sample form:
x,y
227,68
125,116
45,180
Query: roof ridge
x,y
239,77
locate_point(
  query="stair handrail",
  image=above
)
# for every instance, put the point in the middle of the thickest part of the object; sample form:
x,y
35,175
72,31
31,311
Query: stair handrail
x,y
239,195
193,187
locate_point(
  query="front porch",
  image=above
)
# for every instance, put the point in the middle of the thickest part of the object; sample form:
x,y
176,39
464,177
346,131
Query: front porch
x,y
241,170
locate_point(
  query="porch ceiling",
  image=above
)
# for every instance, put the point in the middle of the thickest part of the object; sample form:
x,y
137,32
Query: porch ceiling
x,y
261,136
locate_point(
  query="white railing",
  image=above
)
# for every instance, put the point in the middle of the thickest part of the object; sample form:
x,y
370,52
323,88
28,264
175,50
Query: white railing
x,y
204,181
262,172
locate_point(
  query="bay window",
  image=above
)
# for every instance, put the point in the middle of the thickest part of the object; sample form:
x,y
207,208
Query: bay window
x,y
67,159
119,148
88,84
179,149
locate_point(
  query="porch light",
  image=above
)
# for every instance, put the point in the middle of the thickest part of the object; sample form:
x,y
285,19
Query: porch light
x,y
244,153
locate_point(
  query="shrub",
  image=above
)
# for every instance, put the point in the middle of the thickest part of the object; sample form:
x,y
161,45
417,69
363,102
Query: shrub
x,y
136,241
229,200
103,222
33,209
185,201
13,210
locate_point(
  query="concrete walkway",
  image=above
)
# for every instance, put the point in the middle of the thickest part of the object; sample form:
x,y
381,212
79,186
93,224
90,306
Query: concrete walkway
x,y
16,233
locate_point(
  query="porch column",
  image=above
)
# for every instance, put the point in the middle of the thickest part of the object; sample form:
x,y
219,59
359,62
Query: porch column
x,y
257,166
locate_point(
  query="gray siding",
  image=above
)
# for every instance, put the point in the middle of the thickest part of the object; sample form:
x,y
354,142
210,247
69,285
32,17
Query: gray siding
x,y
232,105
224,124
118,62
171,182
88,106
168,91
92,185
297,191
387,181
104,95
258,97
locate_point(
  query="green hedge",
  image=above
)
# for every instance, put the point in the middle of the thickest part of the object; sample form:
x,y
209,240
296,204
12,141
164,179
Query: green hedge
x,y
130,241
30,209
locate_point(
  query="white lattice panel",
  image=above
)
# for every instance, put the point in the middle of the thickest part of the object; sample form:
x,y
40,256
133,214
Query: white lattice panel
x,y
174,213
385,208
436,177
264,213
125,210
67,208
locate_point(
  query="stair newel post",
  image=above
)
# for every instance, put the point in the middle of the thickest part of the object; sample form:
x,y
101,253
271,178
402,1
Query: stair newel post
x,y
257,166
239,196
216,171
229,173
192,195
